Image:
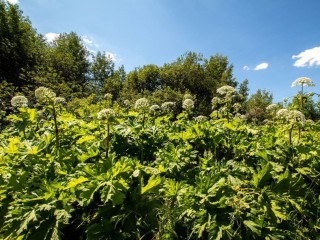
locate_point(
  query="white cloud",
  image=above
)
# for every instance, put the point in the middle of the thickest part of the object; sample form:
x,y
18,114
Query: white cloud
x,y
246,68
93,48
112,56
308,58
89,42
51,36
13,1
261,66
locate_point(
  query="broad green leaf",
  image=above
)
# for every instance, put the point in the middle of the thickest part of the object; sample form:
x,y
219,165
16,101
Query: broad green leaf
x,y
229,126
262,176
76,181
252,226
85,139
29,217
32,114
153,182
33,150
262,154
90,154
278,211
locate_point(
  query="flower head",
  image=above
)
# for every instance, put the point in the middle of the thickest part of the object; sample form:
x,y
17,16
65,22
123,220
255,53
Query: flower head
x,y
293,116
201,118
188,104
296,116
226,90
154,108
215,102
126,103
142,105
44,94
187,96
60,100
106,114
168,106
272,107
237,107
282,113
310,122
19,101
303,81
108,96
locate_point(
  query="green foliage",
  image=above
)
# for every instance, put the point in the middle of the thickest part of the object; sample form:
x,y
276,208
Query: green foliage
x,y
155,177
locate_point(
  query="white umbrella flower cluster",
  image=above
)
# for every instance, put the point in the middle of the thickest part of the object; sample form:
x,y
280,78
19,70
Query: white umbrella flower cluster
x,y
303,81
168,106
106,114
19,101
292,116
188,104
142,105
226,90
44,94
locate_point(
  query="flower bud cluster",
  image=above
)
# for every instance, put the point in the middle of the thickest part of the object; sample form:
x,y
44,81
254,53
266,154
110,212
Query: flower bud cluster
x,y
201,118
142,105
272,107
154,108
108,96
60,100
19,101
188,104
292,116
226,90
168,106
106,114
44,94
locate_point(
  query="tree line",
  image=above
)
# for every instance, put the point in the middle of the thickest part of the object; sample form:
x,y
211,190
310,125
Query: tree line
x,y
28,61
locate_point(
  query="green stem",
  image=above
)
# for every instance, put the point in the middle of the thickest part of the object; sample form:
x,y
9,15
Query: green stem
x,y
290,135
56,127
107,140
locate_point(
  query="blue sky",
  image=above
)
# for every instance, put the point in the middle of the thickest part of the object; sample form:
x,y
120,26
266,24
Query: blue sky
x,y
269,42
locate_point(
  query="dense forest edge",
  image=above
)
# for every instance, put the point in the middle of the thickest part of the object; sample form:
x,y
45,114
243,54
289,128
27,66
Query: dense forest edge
x,y
179,151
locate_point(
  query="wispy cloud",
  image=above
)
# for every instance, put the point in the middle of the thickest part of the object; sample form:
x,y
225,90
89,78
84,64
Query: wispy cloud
x,y
50,37
93,47
308,58
89,42
261,66
13,1
114,57
246,68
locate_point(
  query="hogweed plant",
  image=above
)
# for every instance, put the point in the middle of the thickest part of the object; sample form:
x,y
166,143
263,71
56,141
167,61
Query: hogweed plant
x,y
154,110
142,107
47,98
272,109
302,81
21,103
292,118
215,102
227,95
168,107
108,98
126,105
188,106
107,116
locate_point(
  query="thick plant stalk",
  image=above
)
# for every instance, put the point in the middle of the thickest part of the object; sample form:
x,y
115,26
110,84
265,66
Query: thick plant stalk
x,y
56,127
290,135
107,140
